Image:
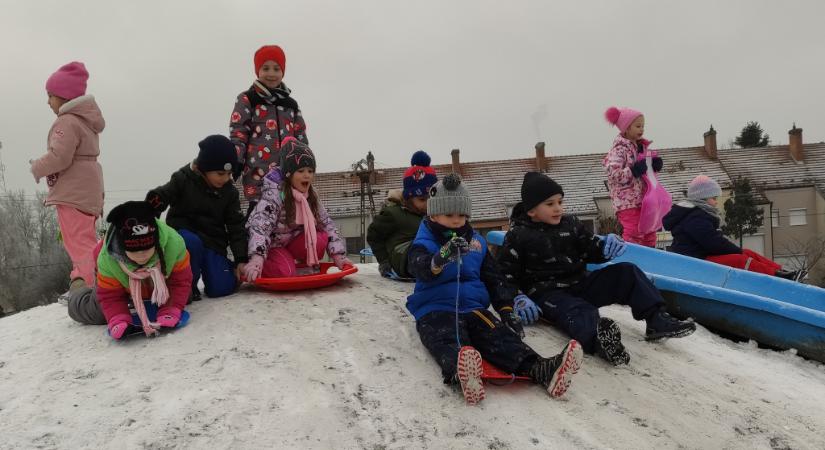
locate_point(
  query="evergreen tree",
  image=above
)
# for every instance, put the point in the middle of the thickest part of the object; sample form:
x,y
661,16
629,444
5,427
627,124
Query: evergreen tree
x,y
742,215
752,136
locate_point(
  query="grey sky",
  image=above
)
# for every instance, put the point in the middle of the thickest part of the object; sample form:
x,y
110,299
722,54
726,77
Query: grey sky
x,y
489,77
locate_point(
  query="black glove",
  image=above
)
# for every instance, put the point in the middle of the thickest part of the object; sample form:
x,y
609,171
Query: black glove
x,y
157,203
450,252
639,168
657,164
385,269
511,319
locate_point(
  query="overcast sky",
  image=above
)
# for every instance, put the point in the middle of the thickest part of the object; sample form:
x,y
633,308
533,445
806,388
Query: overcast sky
x,y
488,77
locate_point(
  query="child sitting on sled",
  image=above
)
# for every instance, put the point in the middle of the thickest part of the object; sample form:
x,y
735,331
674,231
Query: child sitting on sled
x,y
452,317
393,230
289,222
140,258
205,210
545,255
694,224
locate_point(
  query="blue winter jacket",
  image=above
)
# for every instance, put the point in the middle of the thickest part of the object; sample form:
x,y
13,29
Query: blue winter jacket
x,y
696,233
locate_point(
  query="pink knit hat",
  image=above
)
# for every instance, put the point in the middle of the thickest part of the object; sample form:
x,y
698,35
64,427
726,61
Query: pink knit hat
x,y
69,81
621,117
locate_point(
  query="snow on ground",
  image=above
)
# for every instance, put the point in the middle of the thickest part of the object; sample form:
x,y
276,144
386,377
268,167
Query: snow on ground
x,y
342,367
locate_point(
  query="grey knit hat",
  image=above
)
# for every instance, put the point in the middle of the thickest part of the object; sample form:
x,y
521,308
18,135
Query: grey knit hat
x,y
449,196
703,187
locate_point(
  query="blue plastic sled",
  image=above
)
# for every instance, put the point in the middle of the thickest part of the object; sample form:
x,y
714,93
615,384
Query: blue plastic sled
x,y
152,314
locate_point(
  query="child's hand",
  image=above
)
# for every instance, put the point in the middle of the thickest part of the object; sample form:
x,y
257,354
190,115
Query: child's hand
x,y
511,319
639,168
526,309
613,247
341,261
450,252
657,164
252,269
239,270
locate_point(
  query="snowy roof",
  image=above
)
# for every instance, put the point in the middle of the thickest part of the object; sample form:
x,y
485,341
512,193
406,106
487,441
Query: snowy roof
x,y
773,167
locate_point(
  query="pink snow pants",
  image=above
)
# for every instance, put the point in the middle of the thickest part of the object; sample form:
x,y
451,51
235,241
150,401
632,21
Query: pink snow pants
x,y
79,238
629,218
280,262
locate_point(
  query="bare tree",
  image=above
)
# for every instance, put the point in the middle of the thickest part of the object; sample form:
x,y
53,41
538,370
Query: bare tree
x,y
806,255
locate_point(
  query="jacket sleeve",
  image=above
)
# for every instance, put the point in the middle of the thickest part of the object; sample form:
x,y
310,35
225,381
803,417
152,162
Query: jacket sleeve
x,y
300,128
335,244
590,246
63,142
234,220
618,166
113,298
709,238
263,221
378,232
509,262
419,263
501,294
165,195
240,126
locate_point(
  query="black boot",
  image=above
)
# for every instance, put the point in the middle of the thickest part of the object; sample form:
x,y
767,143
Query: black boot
x,y
793,275
555,373
609,342
662,325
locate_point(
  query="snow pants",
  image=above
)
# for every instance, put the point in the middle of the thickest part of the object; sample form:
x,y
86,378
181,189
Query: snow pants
x,y
497,343
217,270
748,260
84,308
629,218
576,309
280,261
79,238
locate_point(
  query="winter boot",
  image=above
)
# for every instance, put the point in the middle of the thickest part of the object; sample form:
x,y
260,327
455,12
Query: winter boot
x,y
77,283
555,373
609,342
194,296
469,374
662,325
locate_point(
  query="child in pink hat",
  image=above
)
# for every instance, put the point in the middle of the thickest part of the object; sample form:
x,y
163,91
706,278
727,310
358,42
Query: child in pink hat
x,y
624,172
70,167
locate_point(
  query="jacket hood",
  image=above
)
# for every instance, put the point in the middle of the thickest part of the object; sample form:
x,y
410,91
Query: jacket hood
x,y
677,213
395,196
85,107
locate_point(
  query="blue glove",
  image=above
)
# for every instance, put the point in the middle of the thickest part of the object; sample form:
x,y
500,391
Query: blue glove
x,y
526,309
614,246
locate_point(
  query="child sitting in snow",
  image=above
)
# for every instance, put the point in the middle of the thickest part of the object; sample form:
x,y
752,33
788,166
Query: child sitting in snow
x,y
392,231
624,172
694,224
140,257
289,222
205,210
264,115
545,254
70,167
452,317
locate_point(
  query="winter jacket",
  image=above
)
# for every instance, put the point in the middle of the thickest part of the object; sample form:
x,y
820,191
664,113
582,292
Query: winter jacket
x,y
696,233
626,191
113,284
394,225
537,256
481,281
70,166
267,225
257,128
213,214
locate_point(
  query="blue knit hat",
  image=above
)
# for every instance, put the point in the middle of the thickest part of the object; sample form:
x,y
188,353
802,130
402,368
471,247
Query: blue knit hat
x,y
420,177
216,153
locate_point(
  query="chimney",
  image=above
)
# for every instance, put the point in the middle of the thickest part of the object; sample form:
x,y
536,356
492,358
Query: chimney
x,y
795,143
541,159
456,161
710,143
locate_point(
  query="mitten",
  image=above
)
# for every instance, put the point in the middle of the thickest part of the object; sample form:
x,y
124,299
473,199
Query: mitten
x,y
450,252
639,168
613,246
168,316
527,310
657,164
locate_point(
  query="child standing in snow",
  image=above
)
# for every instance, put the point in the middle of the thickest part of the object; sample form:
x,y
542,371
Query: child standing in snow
x,y
545,254
205,210
264,115
289,222
452,317
624,172
694,224
70,166
393,230
141,257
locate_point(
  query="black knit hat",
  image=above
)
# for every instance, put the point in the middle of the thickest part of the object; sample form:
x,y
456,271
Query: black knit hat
x,y
134,225
216,153
536,188
295,155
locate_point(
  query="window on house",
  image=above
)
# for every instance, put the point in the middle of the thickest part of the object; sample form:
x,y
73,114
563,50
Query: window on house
x,y
775,218
798,216
755,242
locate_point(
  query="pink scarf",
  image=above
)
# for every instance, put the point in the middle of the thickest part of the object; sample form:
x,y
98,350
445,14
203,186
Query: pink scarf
x,y
159,295
304,216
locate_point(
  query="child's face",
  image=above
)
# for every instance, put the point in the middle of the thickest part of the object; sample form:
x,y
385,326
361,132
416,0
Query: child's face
x,y
142,257
417,204
302,179
270,74
713,201
56,102
549,211
217,178
636,129
450,220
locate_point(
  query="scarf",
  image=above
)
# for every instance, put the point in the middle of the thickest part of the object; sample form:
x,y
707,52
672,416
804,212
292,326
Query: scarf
x,y
159,295
304,216
279,96
706,207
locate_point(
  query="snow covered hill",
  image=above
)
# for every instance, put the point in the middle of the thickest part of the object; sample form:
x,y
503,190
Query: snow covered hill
x,y
343,367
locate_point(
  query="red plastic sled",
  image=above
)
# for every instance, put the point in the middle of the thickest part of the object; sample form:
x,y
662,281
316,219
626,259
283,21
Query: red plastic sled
x,y
306,281
494,375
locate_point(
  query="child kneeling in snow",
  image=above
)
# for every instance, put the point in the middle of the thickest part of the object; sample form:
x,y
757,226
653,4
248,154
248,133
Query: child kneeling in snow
x,y
545,254
140,257
452,316
289,222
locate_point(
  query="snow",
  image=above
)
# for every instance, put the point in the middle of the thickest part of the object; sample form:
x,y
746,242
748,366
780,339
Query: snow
x,y
343,367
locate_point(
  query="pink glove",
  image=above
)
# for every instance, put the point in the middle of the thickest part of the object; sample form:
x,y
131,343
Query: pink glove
x,y
118,329
168,317
341,261
253,268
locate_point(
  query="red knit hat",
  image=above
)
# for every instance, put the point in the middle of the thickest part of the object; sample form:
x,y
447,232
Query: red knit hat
x,y
270,53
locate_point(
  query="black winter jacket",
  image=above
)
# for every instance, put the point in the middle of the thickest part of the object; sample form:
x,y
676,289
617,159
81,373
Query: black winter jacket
x,y
696,233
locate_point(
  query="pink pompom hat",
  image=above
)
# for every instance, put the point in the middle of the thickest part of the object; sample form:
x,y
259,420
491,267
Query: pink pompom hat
x,y
621,117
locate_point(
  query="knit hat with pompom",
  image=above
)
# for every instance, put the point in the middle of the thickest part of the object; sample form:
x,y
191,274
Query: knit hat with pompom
x,y
621,117
420,176
449,196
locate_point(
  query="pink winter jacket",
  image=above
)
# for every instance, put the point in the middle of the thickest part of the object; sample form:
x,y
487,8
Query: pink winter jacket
x,y
70,166
626,191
